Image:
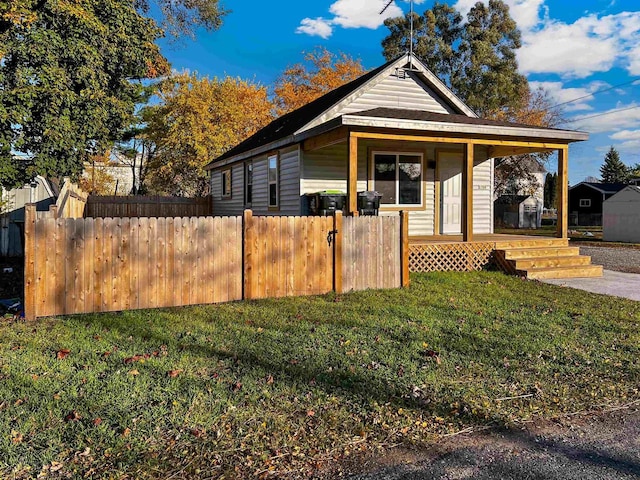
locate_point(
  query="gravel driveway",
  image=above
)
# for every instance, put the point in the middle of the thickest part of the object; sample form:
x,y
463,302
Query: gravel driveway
x,y
619,259
602,447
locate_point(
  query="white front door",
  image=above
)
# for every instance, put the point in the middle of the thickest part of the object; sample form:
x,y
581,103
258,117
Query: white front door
x,y
450,173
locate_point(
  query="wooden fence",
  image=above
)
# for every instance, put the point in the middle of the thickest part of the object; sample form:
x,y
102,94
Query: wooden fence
x,y
147,206
88,265
71,201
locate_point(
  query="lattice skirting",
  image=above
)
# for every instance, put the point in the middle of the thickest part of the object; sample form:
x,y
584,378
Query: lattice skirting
x,y
450,257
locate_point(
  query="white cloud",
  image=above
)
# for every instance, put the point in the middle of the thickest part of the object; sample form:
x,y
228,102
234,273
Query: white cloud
x,y
315,27
621,117
592,43
351,14
573,98
362,13
626,135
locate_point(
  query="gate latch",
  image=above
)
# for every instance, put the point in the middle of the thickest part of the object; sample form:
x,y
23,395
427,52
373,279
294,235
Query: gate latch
x,y
331,236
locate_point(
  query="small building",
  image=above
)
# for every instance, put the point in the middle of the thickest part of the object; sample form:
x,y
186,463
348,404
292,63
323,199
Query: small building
x,y
586,199
39,191
518,211
621,216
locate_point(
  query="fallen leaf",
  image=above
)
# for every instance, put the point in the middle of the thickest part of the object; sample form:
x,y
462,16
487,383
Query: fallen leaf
x,y
236,386
73,416
269,379
16,437
174,373
20,401
97,421
107,353
134,372
62,353
35,376
55,466
310,413
16,347
196,432
126,432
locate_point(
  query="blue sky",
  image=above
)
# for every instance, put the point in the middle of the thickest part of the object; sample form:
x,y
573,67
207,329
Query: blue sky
x,y
571,48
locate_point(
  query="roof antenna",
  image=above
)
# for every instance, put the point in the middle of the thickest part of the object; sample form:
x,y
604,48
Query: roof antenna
x,y
410,53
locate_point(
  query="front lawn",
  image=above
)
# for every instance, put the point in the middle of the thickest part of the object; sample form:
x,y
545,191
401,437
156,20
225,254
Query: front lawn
x,y
284,387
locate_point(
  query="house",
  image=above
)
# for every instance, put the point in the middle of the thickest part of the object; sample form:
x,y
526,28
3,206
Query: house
x,y
41,192
586,200
621,216
517,185
518,211
397,130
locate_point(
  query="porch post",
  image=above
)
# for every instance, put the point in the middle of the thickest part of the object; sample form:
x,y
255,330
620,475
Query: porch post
x,y
467,193
352,176
562,198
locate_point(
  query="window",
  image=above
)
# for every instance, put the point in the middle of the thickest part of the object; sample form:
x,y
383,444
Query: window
x,y
248,183
226,183
274,191
398,177
585,202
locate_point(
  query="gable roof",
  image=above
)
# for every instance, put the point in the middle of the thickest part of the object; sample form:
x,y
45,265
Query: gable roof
x,y
604,188
627,194
296,120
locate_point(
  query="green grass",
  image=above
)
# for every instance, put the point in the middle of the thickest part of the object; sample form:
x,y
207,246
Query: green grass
x,y
282,386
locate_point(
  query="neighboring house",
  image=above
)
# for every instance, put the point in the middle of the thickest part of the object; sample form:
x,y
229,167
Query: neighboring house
x,y
586,199
527,194
39,191
621,216
518,211
397,130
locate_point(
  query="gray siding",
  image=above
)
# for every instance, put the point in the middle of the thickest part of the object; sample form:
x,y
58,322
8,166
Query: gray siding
x,y
289,186
233,205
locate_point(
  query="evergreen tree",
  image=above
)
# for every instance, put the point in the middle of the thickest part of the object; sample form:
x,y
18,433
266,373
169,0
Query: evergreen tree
x,y
613,170
547,185
476,59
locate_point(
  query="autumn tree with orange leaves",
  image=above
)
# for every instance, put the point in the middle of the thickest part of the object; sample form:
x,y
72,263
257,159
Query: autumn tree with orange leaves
x,y
321,72
197,120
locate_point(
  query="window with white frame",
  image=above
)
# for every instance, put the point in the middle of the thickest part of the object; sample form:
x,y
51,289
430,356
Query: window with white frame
x,y
585,202
226,183
398,177
274,190
248,183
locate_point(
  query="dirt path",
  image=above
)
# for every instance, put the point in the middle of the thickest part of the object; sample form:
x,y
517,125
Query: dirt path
x,y
596,447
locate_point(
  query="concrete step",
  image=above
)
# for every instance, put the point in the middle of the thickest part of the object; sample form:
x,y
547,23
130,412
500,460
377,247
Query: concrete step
x,y
540,252
552,261
577,271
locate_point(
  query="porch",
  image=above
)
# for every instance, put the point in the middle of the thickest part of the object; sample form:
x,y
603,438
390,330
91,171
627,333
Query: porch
x,y
534,257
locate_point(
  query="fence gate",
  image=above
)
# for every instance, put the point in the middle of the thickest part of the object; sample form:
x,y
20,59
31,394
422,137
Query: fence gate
x,y
288,256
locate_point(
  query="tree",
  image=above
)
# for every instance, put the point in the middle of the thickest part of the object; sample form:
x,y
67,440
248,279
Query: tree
x,y
96,179
613,170
436,34
197,120
69,76
476,59
522,170
550,190
304,82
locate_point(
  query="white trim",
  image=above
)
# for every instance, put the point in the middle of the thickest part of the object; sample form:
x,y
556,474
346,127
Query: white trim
x,y
276,182
397,154
446,127
584,203
432,81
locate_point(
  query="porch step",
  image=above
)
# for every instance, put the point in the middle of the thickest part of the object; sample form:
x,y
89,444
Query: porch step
x,y
576,271
530,242
546,262
552,261
540,252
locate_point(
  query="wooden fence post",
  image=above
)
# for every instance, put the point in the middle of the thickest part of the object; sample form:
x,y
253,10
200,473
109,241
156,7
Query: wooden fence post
x,y
404,248
337,252
53,210
247,247
30,262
